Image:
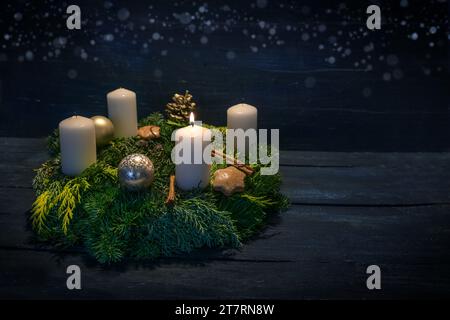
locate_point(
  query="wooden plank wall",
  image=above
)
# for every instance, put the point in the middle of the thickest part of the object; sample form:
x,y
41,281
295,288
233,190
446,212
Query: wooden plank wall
x,y
317,105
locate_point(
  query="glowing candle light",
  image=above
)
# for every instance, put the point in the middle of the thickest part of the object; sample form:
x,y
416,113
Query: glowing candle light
x,y
193,172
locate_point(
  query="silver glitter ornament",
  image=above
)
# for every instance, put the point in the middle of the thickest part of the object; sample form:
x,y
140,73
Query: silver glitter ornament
x,y
136,172
104,130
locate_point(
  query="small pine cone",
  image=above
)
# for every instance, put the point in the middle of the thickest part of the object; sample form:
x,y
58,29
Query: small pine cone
x,y
180,109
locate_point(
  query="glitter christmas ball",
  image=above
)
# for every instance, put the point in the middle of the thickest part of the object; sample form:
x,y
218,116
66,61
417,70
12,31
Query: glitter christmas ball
x,y
136,172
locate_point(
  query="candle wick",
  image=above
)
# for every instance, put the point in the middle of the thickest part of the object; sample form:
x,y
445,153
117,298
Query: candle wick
x,y
192,124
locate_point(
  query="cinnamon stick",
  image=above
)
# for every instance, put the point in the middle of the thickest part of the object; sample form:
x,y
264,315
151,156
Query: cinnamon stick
x,y
235,162
171,196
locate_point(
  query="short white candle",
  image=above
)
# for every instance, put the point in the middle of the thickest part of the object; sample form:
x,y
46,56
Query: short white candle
x,y
122,112
242,116
77,140
189,176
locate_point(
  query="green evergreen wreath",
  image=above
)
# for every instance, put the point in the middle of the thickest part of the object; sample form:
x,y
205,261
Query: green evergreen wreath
x,y
93,211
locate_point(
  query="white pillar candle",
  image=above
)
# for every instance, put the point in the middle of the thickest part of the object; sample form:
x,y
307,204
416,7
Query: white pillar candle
x,y
122,112
193,175
77,141
242,116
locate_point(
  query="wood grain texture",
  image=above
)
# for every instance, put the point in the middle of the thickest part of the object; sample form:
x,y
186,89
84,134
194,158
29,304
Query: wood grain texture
x,y
363,179
311,253
42,275
350,210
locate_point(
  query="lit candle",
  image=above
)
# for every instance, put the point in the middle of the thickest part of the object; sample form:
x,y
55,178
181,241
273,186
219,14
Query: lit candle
x,y
77,140
242,116
195,173
123,112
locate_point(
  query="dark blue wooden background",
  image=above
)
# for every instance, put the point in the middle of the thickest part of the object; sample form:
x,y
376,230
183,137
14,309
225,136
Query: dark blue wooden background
x,y
311,67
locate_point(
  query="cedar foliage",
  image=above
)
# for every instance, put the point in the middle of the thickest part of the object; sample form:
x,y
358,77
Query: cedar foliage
x,y
93,211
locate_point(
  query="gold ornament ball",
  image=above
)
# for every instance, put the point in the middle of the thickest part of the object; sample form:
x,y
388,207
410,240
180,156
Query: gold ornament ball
x,y
104,130
136,172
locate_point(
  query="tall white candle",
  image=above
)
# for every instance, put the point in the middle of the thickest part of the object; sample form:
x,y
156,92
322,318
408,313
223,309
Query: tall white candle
x,y
196,173
123,112
77,140
242,116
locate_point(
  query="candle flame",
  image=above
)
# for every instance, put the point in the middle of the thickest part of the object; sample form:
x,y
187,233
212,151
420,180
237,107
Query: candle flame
x,y
191,119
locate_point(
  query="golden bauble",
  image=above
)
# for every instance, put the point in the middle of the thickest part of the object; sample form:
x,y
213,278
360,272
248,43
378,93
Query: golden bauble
x,y
104,130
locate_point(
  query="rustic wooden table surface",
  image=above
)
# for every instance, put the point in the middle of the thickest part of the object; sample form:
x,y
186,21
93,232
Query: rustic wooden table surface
x,y
349,211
